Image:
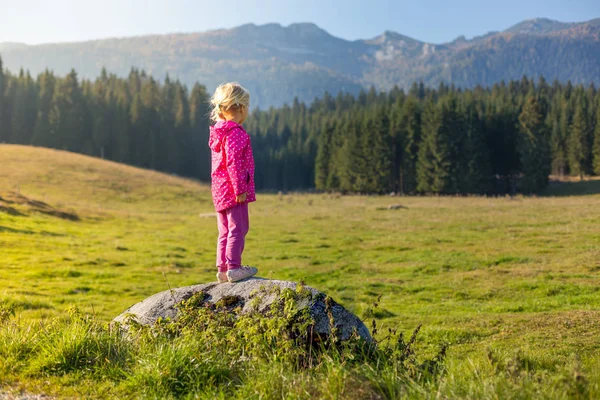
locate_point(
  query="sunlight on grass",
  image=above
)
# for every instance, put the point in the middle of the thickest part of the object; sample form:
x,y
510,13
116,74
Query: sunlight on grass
x,y
510,283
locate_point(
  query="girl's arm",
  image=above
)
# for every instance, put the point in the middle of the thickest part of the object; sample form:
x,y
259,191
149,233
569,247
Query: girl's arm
x,y
235,146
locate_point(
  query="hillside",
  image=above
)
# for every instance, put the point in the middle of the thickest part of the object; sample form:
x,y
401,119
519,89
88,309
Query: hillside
x,y
278,63
88,184
74,226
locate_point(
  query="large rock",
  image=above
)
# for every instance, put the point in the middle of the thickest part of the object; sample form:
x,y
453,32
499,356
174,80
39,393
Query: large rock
x,y
263,293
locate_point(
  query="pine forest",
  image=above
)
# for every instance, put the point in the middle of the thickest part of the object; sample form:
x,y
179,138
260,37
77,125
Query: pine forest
x,y
502,139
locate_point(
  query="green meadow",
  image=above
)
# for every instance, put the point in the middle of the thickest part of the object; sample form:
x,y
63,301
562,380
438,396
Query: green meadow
x,y
511,285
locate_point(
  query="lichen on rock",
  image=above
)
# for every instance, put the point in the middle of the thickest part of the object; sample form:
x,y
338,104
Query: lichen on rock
x,y
267,297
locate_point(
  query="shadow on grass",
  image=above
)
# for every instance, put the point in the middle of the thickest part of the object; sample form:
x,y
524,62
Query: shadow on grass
x,y
29,232
572,188
12,230
10,211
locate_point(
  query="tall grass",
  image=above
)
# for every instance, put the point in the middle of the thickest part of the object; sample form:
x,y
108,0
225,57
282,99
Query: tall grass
x,y
212,350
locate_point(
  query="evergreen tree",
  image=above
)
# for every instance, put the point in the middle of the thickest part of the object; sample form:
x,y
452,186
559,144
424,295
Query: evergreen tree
x,y
477,171
557,120
122,131
323,157
87,144
42,132
10,94
454,132
67,113
378,151
101,104
118,102
411,123
169,158
31,96
339,128
353,166
433,163
139,142
3,135
150,124
185,150
23,109
398,138
18,122
579,149
596,149
199,132
533,146
366,135
501,126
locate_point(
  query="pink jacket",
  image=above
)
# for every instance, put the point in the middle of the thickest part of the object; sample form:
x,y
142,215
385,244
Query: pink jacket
x,y
232,164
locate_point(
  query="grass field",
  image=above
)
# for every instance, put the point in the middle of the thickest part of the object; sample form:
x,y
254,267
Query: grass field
x,y
512,284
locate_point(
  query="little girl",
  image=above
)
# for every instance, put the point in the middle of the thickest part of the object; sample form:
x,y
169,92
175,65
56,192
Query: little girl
x,y
232,178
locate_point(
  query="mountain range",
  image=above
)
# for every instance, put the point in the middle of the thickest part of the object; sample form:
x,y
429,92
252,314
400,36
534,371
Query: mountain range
x,y
278,63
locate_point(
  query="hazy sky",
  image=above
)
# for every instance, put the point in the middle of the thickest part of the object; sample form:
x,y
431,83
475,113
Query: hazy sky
x,y
41,21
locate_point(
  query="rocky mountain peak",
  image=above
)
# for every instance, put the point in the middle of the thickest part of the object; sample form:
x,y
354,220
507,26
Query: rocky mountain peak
x,y
391,37
307,29
537,26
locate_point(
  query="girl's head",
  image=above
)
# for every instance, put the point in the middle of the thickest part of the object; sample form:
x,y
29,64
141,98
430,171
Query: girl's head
x,y
230,103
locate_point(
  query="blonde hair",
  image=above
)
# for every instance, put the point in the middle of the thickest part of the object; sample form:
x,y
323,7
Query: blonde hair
x,y
228,96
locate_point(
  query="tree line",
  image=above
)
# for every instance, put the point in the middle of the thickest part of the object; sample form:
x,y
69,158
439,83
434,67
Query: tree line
x,y
503,139
495,140
135,120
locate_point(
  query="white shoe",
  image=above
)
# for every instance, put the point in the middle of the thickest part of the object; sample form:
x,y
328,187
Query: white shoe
x,y
222,277
241,273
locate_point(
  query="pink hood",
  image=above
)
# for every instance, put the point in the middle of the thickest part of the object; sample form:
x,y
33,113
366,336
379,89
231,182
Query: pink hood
x,y
218,132
232,164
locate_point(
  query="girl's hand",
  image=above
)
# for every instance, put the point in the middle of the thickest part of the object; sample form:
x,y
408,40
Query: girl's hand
x,y
241,198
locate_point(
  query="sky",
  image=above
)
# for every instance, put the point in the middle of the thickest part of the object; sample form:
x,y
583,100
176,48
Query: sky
x,y
434,21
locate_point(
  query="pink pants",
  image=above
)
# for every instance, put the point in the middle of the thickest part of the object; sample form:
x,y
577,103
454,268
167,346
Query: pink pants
x,y
233,225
